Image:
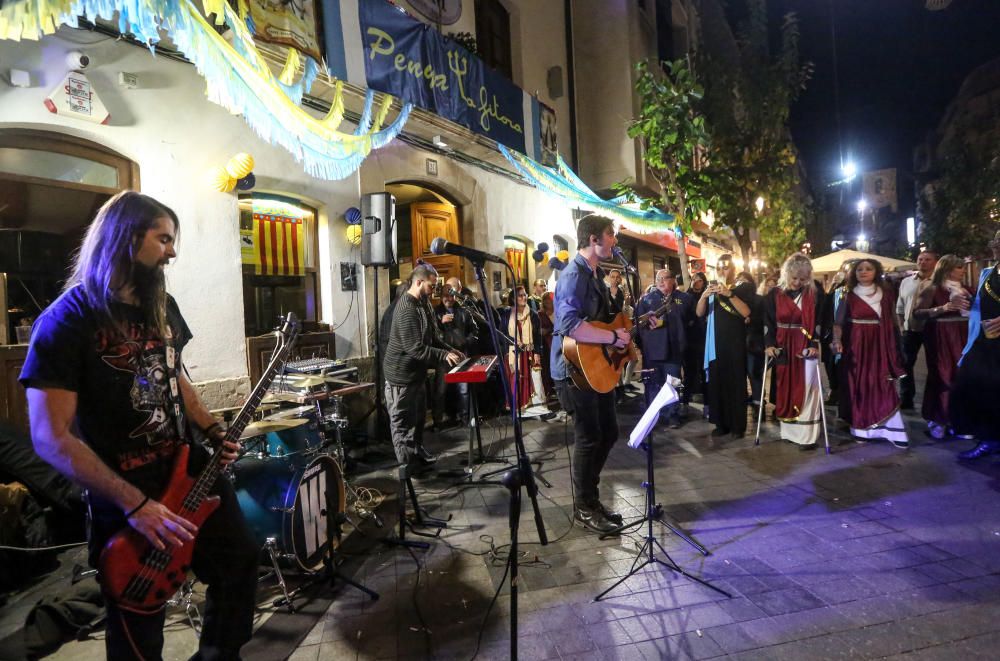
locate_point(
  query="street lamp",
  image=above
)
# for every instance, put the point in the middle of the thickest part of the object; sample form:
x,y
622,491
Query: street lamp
x,y
862,205
759,203
849,170
862,242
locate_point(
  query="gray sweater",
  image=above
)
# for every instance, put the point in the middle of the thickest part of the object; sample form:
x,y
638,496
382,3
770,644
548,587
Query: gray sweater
x,y
414,344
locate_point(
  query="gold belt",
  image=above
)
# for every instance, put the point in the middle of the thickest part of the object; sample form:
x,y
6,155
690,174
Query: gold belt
x,y
964,320
866,322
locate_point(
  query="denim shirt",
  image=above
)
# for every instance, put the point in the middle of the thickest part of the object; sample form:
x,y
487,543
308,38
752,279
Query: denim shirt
x,y
581,295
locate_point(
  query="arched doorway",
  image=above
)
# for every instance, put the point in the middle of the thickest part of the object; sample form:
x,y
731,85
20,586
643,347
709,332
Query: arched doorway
x,y
51,186
423,214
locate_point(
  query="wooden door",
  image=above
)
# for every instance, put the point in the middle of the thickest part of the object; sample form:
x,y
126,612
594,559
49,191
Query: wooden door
x,y
429,220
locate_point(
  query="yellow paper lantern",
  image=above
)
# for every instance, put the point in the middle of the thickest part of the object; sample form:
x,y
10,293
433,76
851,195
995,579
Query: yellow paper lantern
x,y
354,234
545,258
562,255
240,165
220,180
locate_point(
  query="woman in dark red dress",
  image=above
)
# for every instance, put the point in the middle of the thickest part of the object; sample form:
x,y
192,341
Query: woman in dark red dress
x,y
520,322
945,307
864,333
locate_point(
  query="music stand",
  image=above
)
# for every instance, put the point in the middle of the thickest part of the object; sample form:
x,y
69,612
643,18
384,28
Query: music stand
x,y
654,511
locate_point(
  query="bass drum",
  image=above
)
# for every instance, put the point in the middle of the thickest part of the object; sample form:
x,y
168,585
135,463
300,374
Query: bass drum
x,y
291,504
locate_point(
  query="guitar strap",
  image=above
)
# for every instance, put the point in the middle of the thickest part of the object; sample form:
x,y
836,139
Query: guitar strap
x,y
174,391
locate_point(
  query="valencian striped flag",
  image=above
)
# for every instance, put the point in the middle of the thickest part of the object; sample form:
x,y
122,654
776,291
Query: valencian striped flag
x,y
279,244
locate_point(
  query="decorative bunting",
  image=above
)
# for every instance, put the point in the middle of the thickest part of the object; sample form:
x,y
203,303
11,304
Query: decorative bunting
x,y
238,78
563,182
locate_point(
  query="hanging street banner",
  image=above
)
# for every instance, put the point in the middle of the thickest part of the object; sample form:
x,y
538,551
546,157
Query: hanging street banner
x,y
373,44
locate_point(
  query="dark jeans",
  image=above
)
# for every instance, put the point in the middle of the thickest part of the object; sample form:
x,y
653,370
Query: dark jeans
x,y
407,406
595,425
654,379
225,558
694,373
912,341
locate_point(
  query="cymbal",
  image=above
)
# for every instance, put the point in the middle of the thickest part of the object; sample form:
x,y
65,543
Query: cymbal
x,y
224,410
267,426
338,381
294,412
301,380
277,397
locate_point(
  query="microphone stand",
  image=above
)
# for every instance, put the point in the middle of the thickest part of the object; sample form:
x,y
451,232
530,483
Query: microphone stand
x,y
522,474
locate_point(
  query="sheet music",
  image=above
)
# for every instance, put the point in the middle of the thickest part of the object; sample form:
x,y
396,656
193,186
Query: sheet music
x,y
667,395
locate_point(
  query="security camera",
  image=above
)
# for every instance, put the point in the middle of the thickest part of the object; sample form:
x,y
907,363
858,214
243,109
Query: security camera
x,y
77,60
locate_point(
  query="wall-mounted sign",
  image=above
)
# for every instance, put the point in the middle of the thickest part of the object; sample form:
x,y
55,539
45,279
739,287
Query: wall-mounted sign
x,y
290,23
371,44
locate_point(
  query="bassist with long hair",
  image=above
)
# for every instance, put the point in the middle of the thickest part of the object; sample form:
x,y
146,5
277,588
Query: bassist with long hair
x,y
110,409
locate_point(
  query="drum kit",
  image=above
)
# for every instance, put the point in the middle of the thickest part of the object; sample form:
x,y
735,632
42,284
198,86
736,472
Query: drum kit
x,y
290,479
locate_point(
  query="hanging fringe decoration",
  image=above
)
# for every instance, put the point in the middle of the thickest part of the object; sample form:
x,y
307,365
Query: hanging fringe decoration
x,y
237,76
564,183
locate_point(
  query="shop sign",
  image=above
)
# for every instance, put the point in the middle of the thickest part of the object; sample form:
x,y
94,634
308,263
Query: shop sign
x,y
372,44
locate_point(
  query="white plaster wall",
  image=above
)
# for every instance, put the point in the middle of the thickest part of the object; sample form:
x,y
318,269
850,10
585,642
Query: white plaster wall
x,y
538,36
602,34
174,134
492,205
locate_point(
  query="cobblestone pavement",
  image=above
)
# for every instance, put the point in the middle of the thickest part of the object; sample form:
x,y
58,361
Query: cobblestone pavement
x,y
870,552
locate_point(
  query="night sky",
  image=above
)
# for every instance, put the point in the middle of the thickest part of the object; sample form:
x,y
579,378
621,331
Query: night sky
x,y
899,65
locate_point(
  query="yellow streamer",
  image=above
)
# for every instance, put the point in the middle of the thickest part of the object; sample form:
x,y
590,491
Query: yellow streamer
x,y
336,114
287,75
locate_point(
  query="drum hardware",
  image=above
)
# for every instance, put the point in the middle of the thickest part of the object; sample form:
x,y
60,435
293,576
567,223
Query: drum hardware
x,y
185,597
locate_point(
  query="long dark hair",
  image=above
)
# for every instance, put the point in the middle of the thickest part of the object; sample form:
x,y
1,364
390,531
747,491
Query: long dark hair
x,y
852,275
106,260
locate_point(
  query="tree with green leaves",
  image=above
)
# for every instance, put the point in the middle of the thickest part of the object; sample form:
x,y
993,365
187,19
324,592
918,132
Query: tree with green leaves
x,y
960,210
747,106
674,136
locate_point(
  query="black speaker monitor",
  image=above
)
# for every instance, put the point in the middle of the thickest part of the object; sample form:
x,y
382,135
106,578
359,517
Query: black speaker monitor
x,y
378,224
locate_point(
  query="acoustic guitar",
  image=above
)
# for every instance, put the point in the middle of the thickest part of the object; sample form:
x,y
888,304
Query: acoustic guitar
x,y
598,367
136,575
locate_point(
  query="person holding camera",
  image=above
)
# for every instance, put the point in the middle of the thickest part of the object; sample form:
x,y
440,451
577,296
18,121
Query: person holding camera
x,y
726,303
791,340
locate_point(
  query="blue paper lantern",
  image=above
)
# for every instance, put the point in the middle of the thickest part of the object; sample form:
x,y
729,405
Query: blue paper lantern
x,y
543,247
353,216
247,182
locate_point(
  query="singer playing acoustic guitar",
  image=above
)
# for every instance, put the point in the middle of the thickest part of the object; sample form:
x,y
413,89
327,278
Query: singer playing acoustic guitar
x,y
582,297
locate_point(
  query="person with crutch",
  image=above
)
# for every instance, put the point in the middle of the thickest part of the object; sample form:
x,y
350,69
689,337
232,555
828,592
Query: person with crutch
x,y
791,340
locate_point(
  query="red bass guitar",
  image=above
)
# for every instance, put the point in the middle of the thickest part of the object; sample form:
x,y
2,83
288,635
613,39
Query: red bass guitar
x,y
133,573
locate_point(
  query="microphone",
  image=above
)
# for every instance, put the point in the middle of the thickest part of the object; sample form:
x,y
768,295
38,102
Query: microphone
x,y
441,246
616,252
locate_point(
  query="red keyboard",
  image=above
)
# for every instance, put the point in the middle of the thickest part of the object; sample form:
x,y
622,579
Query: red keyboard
x,y
475,369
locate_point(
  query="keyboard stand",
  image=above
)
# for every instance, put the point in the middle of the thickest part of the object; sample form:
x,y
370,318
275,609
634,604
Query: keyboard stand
x,y
476,443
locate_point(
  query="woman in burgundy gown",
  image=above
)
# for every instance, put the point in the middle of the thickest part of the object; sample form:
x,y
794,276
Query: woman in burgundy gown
x,y
864,333
944,305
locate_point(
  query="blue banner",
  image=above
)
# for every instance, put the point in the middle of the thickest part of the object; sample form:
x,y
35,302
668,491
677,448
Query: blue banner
x,y
412,60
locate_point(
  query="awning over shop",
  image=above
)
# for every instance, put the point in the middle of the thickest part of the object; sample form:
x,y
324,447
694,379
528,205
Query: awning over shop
x,y
666,240
832,262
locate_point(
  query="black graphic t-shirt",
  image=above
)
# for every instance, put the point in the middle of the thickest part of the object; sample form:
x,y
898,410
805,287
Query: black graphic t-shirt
x,y
124,409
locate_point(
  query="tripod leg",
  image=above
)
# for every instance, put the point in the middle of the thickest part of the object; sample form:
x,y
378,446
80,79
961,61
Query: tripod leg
x,y
822,408
764,391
